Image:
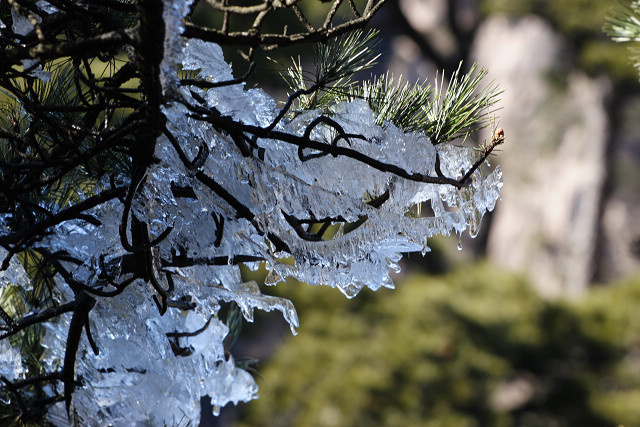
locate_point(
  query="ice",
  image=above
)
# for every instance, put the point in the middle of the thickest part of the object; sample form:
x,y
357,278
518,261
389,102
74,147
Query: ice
x,y
282,184
54,342
75,238
15,274
21,24
46,7
10,361
36,70
207,57
173,13
362,258
153,369
225,284
139,376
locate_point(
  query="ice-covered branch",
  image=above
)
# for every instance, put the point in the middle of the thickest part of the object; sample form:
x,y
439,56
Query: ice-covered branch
x,y
132,193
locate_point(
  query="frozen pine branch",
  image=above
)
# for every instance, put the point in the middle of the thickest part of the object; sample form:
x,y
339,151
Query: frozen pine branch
x,y
138,173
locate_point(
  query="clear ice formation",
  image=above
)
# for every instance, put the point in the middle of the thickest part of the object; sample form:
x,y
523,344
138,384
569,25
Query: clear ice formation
x,y
10,357
137,376
23,26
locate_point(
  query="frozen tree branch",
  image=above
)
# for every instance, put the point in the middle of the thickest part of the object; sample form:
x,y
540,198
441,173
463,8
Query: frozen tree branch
x,y
137,174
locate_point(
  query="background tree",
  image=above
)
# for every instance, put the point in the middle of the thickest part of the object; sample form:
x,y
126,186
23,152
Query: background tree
x,y
475,346
137,173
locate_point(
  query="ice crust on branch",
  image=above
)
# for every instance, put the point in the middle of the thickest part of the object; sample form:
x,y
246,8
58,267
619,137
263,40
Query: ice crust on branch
x,y
154,369
136,371
10,357
137,378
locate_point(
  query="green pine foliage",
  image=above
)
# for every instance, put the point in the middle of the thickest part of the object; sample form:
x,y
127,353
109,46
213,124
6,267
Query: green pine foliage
x,y
399,102
444,113
441,350
474,347
335,64
623,22
463,107
623,25
448,110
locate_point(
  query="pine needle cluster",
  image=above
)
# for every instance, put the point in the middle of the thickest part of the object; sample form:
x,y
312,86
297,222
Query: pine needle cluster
x,y
445,111
623,25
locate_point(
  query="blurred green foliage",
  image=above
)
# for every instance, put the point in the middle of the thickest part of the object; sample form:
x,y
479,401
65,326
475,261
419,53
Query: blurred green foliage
x,y
474,347
570,16
581,22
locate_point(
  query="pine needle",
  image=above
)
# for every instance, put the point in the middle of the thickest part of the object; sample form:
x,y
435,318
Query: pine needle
x,y
623,21
462,107
444,114
335,64
623,25
398,102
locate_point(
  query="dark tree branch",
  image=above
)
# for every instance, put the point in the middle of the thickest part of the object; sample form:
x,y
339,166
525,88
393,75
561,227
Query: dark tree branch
x,y
113,40
86,125
226,122
185,261
204,84
271,41
36,318
190,334
81,307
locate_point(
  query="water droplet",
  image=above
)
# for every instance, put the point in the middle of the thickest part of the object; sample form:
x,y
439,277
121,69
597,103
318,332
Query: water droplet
x,y
473,230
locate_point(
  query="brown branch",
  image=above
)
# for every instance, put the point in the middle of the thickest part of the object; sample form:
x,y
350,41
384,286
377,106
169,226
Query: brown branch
x,y
241,210
52,376
497,139
332,12
7,319
116,5
301,232
303,19
271,41
250,10
184,261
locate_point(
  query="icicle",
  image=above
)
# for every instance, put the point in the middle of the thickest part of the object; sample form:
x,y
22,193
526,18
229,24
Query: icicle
x,y
138,358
